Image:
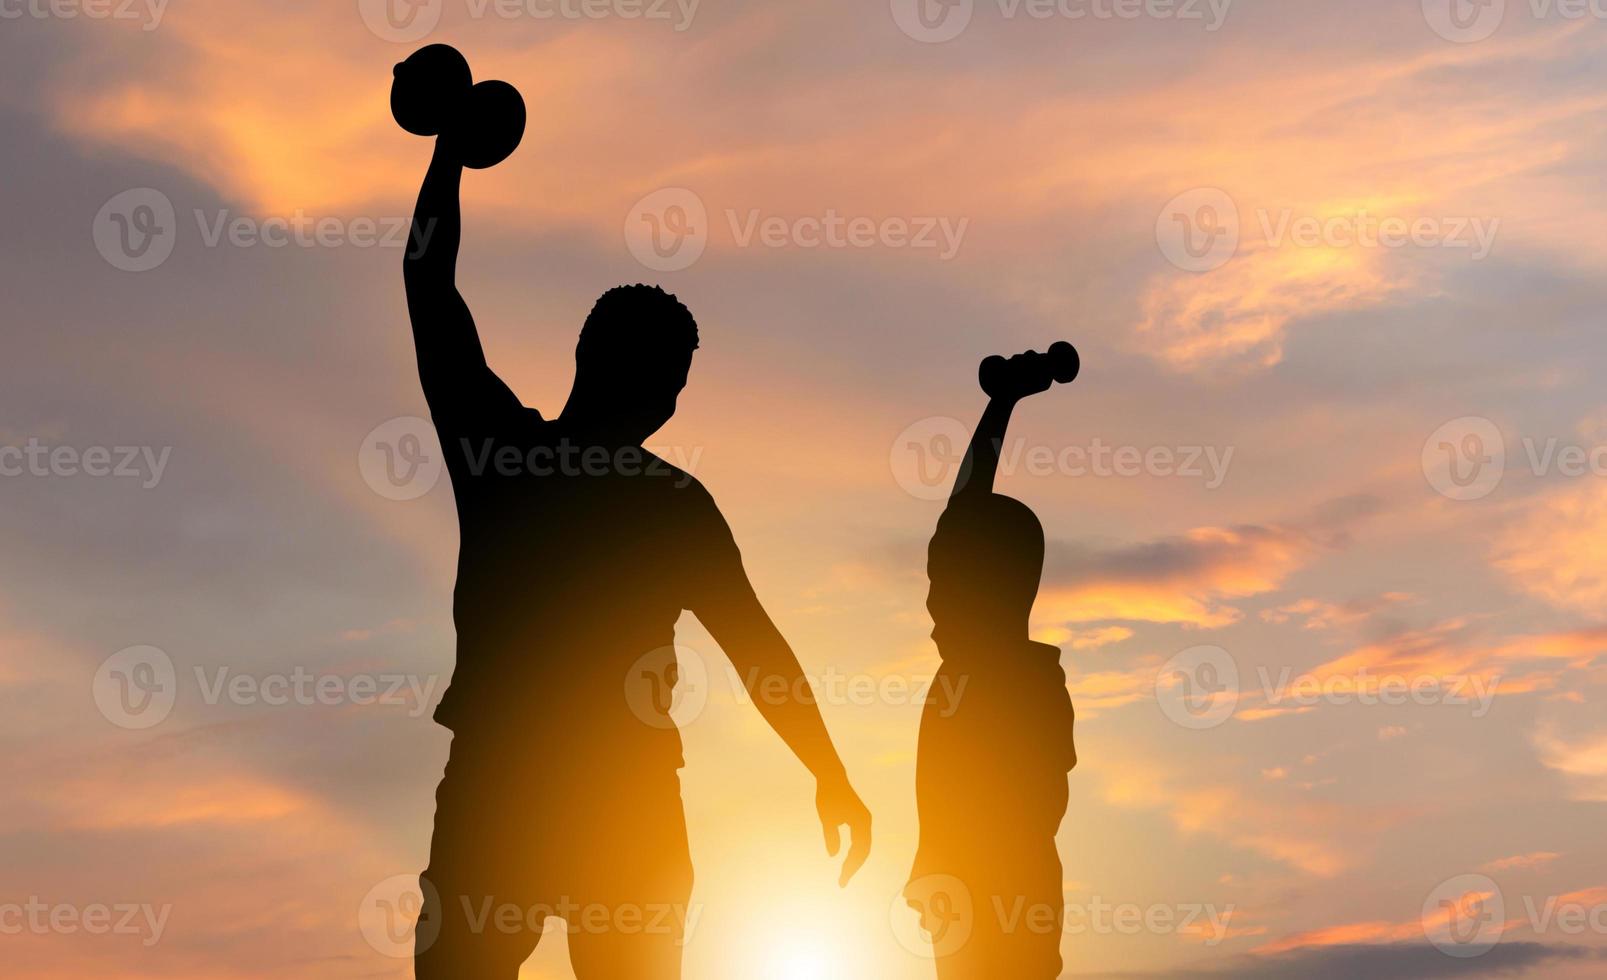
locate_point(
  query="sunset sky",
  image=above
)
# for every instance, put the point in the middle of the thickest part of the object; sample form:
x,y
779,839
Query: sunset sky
x,y
1335,271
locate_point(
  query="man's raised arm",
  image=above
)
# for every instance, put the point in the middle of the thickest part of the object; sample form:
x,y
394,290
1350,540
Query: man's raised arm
x,y
458,384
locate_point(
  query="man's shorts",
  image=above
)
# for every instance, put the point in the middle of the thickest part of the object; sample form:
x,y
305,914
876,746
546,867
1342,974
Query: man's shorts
x,y
518,840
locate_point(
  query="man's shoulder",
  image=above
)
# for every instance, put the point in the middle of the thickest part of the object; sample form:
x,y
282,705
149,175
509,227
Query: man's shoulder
x,y
673,478
688,505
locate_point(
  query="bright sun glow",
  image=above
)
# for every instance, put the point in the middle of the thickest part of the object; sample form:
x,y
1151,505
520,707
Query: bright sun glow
x,y
806,964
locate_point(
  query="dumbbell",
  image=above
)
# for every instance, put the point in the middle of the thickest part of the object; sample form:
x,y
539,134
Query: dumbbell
x,y
1030,371
433,93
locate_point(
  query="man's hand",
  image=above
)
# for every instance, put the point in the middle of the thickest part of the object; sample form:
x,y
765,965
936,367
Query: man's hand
x,y
838,804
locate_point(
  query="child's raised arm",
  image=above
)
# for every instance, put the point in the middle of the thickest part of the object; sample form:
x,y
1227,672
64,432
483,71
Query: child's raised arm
x,y
1007,382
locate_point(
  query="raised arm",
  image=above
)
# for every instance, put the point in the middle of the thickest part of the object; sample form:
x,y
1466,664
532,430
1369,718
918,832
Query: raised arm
x,y
458,384
981,463
1006,383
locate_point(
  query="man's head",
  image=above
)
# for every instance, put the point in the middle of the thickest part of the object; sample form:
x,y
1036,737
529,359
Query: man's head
x,y
984,563
632,360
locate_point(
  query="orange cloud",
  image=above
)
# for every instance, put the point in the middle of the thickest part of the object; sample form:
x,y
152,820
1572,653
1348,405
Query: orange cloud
x,y
1084,639
1453,654
1582,760
1348,934
1187,579
1304,836
1318,614
1376,932
1240,312
1557,550
1523,862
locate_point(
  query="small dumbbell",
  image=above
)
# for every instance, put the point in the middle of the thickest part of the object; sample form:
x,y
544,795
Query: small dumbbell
x,y
433,93
1029,372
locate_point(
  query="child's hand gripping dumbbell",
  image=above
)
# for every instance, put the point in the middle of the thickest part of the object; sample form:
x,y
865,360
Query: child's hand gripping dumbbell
x,y
1006,382
1029,373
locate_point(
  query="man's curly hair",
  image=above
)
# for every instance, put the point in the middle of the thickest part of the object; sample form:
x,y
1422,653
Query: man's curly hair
x,y
636,319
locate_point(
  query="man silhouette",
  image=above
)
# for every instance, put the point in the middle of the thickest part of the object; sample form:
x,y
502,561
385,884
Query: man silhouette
x,y
579,551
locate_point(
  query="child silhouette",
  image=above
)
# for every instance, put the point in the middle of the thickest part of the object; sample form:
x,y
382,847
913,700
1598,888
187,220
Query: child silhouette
x,y
994,752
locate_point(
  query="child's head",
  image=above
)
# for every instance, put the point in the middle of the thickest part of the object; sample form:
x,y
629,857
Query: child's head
x,y
984,563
